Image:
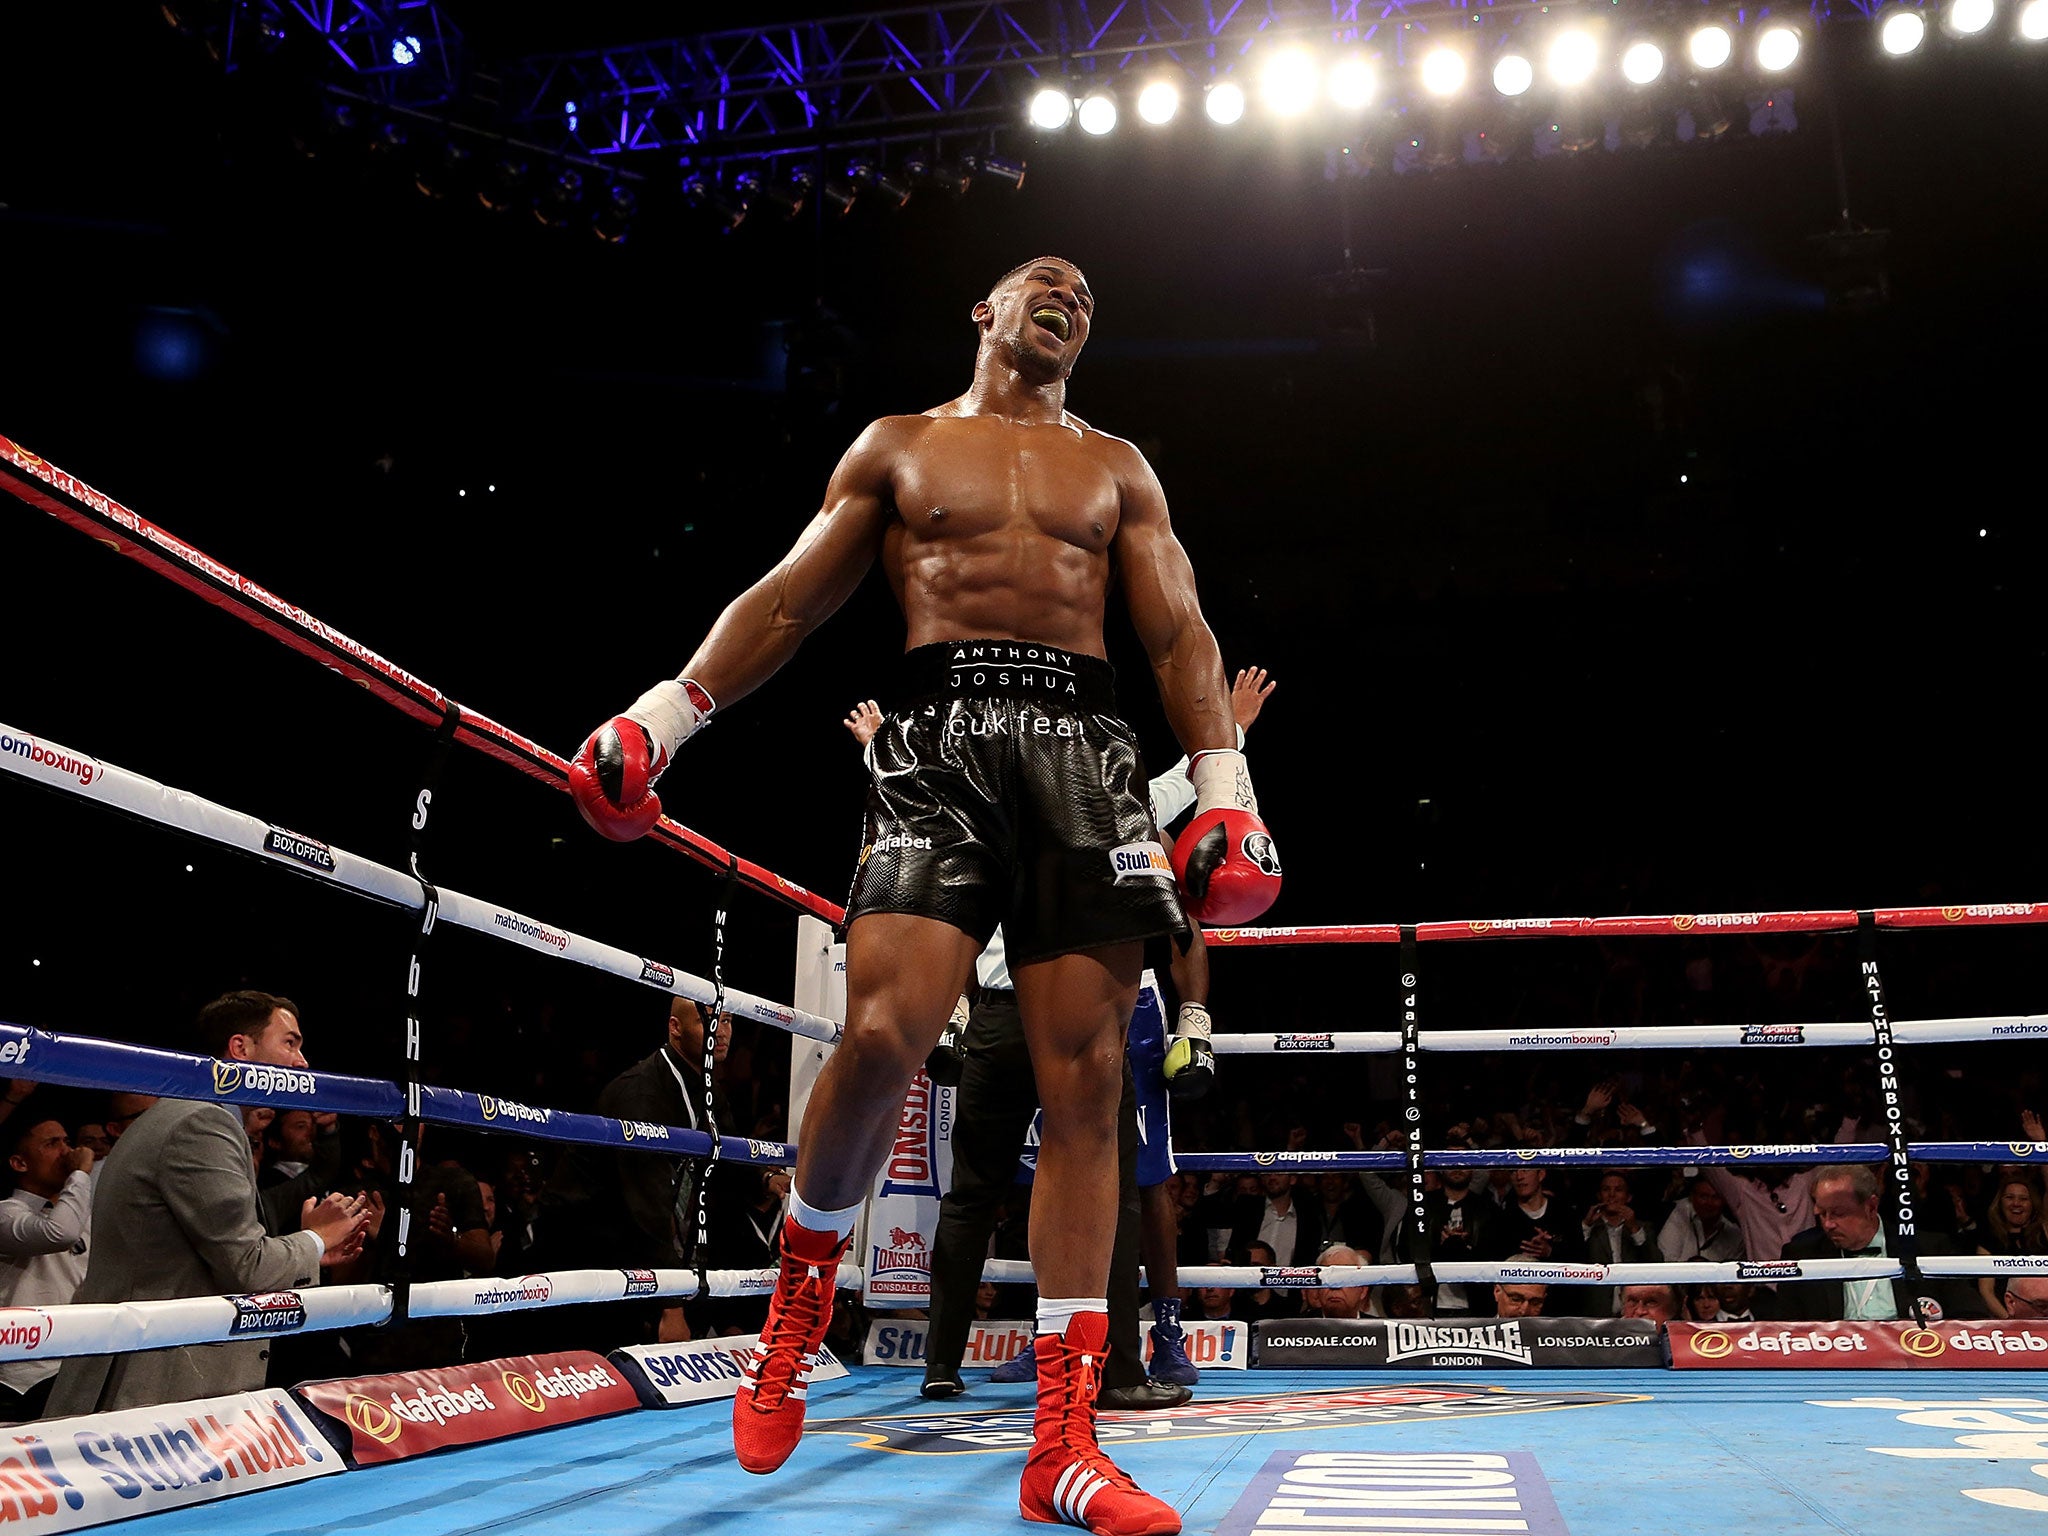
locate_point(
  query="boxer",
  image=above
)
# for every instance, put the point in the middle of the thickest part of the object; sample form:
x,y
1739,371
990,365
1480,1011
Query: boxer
x,y
1006,789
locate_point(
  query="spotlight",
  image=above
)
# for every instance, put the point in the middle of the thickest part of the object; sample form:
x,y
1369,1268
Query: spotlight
x,y
442,168
1351,82
1224,101
1573,55
1642,63
559,203
1158,102
871,180
1710,46
1288,82
1513,74
839,196
1051,107
405,50
1777,48
2034,20
941,176
759,194
505,188
1966,18
1097,113
1902,31
1704,116
1443,72
614,218
978,166
703,193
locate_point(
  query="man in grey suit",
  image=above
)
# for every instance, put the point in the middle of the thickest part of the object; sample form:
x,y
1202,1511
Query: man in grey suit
x,y
175,1214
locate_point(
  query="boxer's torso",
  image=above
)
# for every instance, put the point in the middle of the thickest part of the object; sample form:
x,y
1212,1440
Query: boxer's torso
x,y
1003,529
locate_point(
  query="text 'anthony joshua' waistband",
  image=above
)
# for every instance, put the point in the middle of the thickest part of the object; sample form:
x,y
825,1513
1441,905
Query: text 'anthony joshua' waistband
x,y
1010,669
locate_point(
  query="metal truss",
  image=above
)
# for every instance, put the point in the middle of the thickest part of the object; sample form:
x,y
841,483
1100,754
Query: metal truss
x,y
939,73
405,51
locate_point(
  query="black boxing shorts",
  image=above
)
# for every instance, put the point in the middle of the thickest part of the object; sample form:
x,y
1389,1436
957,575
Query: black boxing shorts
x,y
1007,790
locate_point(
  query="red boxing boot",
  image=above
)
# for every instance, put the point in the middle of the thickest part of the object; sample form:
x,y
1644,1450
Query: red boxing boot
x,y
1067,1479
768,1410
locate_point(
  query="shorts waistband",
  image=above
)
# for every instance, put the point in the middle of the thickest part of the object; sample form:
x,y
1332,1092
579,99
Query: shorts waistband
x,y
1010,669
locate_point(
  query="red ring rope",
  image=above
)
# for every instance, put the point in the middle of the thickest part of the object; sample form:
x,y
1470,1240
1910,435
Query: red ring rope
x,y
70,500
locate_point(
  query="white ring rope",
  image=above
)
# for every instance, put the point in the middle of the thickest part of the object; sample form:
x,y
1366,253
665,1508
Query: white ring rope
x,y
37,1333
44,762
1673,1037
1312,1277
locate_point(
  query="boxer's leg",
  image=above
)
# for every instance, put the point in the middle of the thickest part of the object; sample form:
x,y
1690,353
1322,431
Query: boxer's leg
x,y
902,975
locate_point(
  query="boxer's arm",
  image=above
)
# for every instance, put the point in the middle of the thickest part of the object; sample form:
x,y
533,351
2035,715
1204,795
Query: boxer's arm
x,y
1159,587
762,627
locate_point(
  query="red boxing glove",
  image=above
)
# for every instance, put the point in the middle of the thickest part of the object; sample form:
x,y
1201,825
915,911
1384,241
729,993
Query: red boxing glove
x,y
613,775
1226,861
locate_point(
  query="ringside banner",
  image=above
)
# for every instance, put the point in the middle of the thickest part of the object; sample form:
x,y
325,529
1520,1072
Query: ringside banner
x,y
1540,1343
388,1418
67,1474
1856,1346
668,1375
901,1341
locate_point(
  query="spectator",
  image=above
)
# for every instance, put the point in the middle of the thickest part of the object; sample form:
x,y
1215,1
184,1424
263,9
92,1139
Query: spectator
x,y
175,1215
1532,1229
1520,1300
1346,1216
45,1231
1614,1234
1772,1207
1658,1303
2026,1299
2012,1226
301,1157
122,1112
748,1235
1403,1301
1291,1228
92,1137
1337,1301
636,1210
1845,1207
985,1301
1460,1223
1725,1303
1256,1305
1216,1304
1191,1245
1698,1227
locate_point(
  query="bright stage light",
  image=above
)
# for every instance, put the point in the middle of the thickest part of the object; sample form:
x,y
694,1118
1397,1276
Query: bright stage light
x,y
1051,108
1288,82
2034,20
1443,72
1351,83
1572,57
405,50
1902,32
1513,74
1710,47
1966,18
1777,48
1159,101
1098,113
1642,63
1224,102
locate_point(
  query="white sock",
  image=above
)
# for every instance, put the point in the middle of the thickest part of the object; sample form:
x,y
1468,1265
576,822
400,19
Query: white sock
x,y
1053,1316
838,1223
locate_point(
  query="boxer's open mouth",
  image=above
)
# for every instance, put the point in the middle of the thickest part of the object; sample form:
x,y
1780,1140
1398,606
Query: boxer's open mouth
x,y
1053,319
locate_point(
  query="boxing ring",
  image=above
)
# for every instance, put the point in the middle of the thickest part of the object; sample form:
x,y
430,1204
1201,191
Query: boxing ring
x,y
1307,1451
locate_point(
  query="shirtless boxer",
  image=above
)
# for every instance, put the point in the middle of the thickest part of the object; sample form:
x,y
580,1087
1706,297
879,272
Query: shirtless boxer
x,y
1007,791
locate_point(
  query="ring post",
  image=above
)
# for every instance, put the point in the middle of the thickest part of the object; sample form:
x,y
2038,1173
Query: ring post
x,y
1899,1203
1411,1114
409,1076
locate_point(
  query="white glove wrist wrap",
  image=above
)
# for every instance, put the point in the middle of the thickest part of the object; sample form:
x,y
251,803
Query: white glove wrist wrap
x,y
1193,1020
669,715
1221,780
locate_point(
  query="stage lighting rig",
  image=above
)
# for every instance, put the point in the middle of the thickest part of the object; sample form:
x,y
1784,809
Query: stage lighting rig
x,y
1966,18
870,179
1710,46
2033,24
1902,31
1777,48
704,194
1352,83
1051,107
1288,81
994,168
761,196
506,186
1097,112
1513,74
1159,101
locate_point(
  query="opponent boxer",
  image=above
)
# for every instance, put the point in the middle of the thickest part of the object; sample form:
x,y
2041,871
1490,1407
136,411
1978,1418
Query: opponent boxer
x,y
1008,792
